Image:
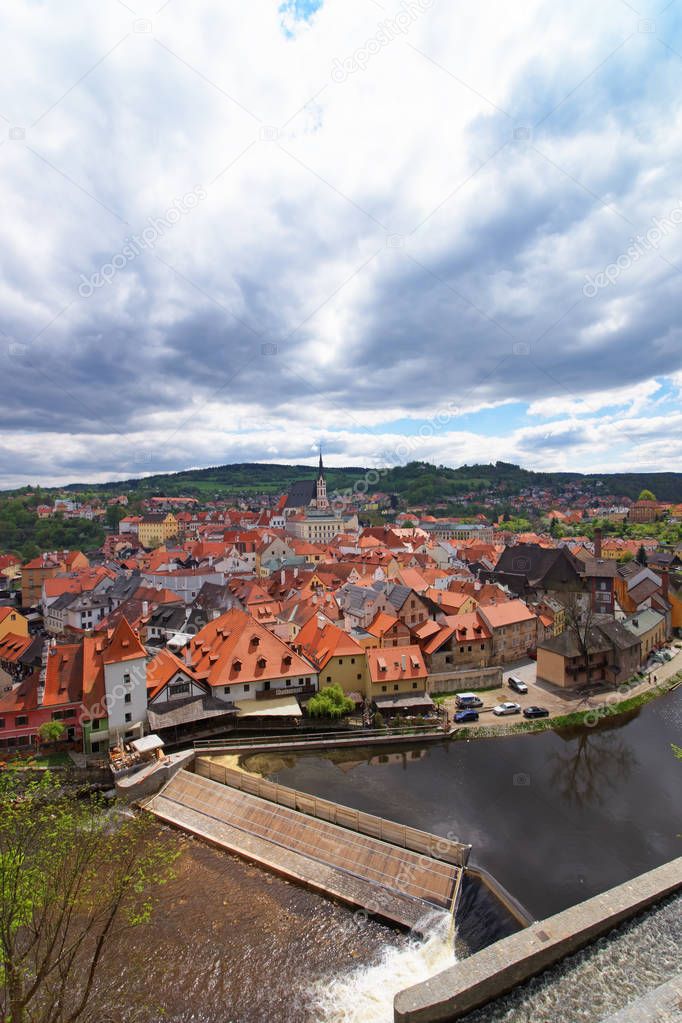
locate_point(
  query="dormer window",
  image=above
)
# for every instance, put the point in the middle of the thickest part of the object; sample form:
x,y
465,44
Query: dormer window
x,y
236,664
287,659
261,662
255,640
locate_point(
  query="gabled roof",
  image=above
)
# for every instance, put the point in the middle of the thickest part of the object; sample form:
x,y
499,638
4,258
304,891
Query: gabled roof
x,y
320,640
301,493
162,668
123,644
508,613
391,664
12,647
235,649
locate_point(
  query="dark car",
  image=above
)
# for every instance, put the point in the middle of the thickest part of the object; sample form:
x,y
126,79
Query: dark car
x,y
462,716
535,712
517,684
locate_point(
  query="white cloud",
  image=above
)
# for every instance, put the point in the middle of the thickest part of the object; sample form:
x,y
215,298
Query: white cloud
x,y
397,235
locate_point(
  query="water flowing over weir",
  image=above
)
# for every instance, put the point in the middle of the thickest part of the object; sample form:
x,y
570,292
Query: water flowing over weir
x,y
366,995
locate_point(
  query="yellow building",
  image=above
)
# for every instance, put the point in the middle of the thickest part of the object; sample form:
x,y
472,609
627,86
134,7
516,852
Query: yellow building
x,y
12,622
394,670
155,529
338,658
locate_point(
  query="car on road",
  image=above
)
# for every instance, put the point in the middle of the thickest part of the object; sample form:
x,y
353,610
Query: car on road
x,y
467,700
535,712
507,708
462,716
517,684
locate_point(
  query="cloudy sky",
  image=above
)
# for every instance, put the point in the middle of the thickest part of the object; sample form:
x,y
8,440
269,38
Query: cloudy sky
x,y
420,229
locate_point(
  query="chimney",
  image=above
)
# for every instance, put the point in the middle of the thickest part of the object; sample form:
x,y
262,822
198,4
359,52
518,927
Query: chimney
x,y
320,621
296,573
282,577
403,663
145,608
597,542
665,583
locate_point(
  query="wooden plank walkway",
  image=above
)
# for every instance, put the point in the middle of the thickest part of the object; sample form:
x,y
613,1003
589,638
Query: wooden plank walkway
x,y
390,882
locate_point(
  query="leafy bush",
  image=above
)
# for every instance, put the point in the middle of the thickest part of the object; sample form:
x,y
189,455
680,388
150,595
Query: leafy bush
x,y
330,702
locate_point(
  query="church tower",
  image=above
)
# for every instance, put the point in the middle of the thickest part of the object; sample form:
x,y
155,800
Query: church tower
x,y
321,500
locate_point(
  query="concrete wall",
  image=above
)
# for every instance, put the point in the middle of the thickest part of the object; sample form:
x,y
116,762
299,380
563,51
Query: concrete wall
x,y
500,967
463,681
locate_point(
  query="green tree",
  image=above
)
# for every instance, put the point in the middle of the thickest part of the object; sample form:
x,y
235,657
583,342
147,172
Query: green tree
x,y
73,880
330,702
114,515
646,495
51,732
641,557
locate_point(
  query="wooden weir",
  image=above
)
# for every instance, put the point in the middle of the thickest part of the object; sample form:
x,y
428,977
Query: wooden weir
x,y
391,871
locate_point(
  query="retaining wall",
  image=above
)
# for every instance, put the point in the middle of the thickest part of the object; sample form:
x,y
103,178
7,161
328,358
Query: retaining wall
x,y
497,969
463,681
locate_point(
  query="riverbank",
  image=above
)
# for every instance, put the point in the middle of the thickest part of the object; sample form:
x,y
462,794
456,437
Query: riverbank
x,y
603,708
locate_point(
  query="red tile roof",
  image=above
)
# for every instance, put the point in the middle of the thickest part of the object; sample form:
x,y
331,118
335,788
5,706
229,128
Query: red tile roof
x,y
235,649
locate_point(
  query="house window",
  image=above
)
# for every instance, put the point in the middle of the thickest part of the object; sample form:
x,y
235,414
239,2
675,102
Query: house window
x,y
128,698
288,681
94,746
395,688
21,719
461,650
95,724
226,690
383,689
448,658
247,687
352,660
2,722
128,717
468,649
329,678
174,690
414,685
482,646
358,676
126,680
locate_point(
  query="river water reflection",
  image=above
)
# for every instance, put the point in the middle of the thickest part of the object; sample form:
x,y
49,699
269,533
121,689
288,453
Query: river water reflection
x,y
555,818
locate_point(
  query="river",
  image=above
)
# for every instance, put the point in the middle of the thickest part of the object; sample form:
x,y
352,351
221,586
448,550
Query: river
x,y
555,818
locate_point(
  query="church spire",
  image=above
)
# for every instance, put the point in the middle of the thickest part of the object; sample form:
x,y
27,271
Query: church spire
x,y
321,466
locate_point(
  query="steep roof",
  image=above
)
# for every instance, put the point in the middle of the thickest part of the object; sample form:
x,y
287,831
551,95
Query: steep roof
x,y
123,645
301,493
161,669
235,649
392,664
320,640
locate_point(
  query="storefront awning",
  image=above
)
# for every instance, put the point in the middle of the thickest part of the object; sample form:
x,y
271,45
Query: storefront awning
x,y
279,706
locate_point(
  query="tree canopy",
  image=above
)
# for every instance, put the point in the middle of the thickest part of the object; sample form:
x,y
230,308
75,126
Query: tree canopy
x,y
330,702
75,876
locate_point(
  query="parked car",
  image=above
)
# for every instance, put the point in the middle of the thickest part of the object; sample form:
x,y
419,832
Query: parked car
x,y
535,712
467,700
517,684
507,708
462,716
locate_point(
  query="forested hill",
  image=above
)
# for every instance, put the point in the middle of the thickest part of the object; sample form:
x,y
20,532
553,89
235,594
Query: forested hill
x,y
416,481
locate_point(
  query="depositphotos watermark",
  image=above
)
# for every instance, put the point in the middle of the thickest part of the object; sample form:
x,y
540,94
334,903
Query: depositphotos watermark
x,y
639,246
137,243
388,30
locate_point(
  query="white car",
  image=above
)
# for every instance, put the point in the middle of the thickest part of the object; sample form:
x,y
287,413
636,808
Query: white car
x,y
507,708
